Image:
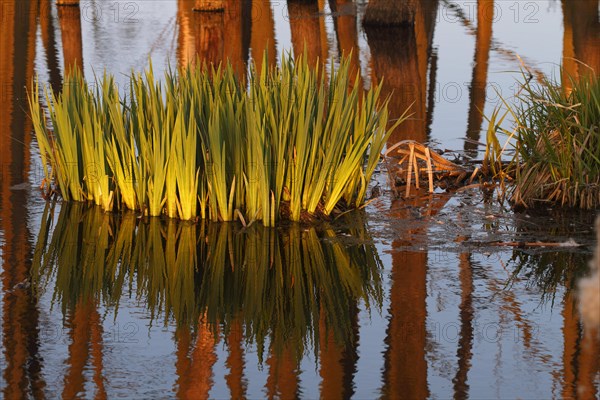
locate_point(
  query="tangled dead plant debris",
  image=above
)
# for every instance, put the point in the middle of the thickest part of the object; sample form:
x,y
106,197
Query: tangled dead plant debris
x,y
412,163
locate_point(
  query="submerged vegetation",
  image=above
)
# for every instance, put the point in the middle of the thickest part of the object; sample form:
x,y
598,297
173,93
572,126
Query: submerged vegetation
x,y
277,283
289,143
556,139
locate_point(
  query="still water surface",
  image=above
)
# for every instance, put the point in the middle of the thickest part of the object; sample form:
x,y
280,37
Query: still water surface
x,y
401,300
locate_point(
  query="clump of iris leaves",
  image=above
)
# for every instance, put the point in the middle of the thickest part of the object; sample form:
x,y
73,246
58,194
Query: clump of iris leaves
x,y
289,142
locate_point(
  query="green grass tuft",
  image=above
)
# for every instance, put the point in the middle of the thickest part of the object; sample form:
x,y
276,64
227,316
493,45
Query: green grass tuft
x,y
556,139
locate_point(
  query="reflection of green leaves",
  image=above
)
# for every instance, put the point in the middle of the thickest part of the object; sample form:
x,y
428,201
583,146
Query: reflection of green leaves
x,y
40,263
550,270
276,282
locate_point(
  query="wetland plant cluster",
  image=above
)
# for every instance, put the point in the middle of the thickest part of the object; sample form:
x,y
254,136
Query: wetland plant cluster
x,y
557,144
288,143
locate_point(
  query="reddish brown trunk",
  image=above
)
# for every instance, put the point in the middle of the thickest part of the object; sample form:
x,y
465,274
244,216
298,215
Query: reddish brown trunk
x,y
70,28
67,2
21,367
581,51
209,37
283,381
347,33
209,5
483,43
390,12
263,34
306,30
235,361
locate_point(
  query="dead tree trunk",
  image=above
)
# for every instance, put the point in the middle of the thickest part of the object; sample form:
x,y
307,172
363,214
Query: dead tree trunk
x,y
390,12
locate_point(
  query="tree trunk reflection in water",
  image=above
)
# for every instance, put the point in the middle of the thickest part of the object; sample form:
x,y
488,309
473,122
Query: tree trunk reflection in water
x,y
67,2
390,12
405,363
86,335
581,361
283,381
209,41
589,364
235,361
465,341
581,42
195,370
338,362
186,40
215,37
405,369
404,69
483,43
208,5
50,45
323,31
263,33
345,25
238,25
70,30
21,369
306,29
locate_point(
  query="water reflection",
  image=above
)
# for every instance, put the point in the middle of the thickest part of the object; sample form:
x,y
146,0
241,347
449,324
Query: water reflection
x,y
22,361
338,361
406,370
581,343
289,291
306,29
346,29
50,44
69,18
293,293
404,69
464,352
580,355
214,37
85,331
581,48
194,371
551,271
263,33
478,89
